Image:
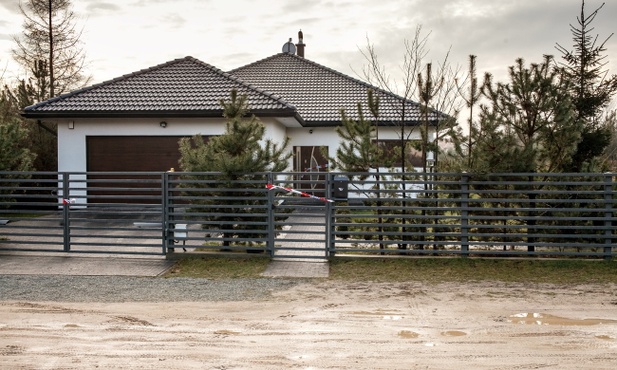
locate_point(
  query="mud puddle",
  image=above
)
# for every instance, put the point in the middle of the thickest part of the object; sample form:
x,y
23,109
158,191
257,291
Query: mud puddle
x,y
535,318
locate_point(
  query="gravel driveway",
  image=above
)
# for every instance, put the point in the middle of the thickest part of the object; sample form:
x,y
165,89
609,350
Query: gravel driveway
x,y
65,288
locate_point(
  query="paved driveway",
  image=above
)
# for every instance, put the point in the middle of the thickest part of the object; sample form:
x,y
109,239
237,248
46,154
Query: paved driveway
x,y
28,264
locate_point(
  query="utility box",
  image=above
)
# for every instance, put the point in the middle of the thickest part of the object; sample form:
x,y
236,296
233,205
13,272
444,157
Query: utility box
x,y
340,187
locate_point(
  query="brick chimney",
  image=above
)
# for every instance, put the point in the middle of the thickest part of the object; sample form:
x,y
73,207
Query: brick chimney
x,y
300,45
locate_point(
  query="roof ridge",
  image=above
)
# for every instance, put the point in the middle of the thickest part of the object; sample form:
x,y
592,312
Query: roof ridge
x,y
256,62
242,82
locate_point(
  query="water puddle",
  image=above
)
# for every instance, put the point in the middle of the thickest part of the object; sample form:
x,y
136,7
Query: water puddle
x,y
376,312
408,334
227,332
387,315
535,318
453,333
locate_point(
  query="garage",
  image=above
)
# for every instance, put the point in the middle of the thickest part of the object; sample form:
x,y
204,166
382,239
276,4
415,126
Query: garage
x,y
129,154
132,153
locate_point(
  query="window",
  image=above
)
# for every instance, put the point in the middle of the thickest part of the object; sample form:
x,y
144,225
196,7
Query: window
x,y
392,149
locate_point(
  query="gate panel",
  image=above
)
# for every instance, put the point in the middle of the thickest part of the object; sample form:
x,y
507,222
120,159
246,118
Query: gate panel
x,y
299,219
56,213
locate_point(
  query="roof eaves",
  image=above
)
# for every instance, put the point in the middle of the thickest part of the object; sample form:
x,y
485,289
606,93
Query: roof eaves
x,y
388,123
218,113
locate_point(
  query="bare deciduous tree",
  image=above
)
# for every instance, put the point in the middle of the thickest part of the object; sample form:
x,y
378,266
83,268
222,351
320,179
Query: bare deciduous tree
x,y
444,99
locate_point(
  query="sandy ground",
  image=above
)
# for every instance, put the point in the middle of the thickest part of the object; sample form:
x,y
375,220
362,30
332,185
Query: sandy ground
x,y
323,325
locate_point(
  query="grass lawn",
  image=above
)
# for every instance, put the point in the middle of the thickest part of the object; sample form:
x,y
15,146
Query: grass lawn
x,y
429,270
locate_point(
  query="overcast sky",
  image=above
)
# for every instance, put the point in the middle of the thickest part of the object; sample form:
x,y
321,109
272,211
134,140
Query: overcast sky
x,y
123,36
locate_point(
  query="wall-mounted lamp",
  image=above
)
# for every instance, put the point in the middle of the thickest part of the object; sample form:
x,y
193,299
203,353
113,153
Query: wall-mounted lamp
x,y
163,124
71,125
430,160
310,131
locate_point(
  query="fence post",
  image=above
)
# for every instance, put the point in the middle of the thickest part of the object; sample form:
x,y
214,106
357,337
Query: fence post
x,y
166,203
329,247
608,215
270,217
66,208
464,215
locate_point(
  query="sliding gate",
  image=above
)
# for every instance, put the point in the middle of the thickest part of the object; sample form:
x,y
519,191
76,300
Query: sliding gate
x,y
105,213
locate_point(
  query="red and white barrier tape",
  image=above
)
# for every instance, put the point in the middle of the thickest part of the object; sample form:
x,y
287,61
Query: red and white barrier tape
x,y
290,190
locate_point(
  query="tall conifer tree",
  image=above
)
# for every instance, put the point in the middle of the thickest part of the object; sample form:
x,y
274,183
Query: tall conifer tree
x,y
591,89
237,154
49,48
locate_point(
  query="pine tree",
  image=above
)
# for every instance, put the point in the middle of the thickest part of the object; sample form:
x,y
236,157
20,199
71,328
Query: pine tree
x,y
14,138
463,143
42,137
537,111
359,149
240,150
236,155
591,89
14,154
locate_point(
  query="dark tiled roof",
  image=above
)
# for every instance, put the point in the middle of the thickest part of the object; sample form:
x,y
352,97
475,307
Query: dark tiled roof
x,y
319,92
181,87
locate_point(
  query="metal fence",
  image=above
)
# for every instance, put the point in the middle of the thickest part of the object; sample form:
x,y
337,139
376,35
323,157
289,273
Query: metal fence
x,y
310,215
82,212
491,215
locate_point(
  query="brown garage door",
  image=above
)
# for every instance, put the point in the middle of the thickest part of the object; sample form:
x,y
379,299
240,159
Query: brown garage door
x,y
132,153
129,154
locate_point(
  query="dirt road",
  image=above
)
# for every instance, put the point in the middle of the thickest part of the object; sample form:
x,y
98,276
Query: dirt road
x,y
323,325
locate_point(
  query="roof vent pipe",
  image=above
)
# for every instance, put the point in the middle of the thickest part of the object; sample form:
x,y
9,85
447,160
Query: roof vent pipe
x,y
300,45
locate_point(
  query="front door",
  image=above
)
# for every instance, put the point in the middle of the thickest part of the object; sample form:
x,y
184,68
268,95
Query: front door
x,y
310,161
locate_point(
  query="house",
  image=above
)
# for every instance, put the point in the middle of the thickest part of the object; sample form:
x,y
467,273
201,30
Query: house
x,y
134,122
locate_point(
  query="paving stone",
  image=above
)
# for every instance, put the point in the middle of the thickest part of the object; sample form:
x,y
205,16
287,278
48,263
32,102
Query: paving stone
x,y
295,260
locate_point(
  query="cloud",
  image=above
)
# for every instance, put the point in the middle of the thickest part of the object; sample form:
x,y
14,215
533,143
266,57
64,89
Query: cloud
x,y
497,32
148,2
96,7
10,5
173,20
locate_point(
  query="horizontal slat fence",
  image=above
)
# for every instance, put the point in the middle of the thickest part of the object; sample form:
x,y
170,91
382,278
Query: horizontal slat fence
x,y
465,214
102,213
298,216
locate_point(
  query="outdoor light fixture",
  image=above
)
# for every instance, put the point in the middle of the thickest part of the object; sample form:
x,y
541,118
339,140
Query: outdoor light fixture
x,y
310,131
71,125
163,124
430,160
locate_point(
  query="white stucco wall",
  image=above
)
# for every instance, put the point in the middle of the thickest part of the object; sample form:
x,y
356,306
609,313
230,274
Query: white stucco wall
x,y
72,141
327,136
